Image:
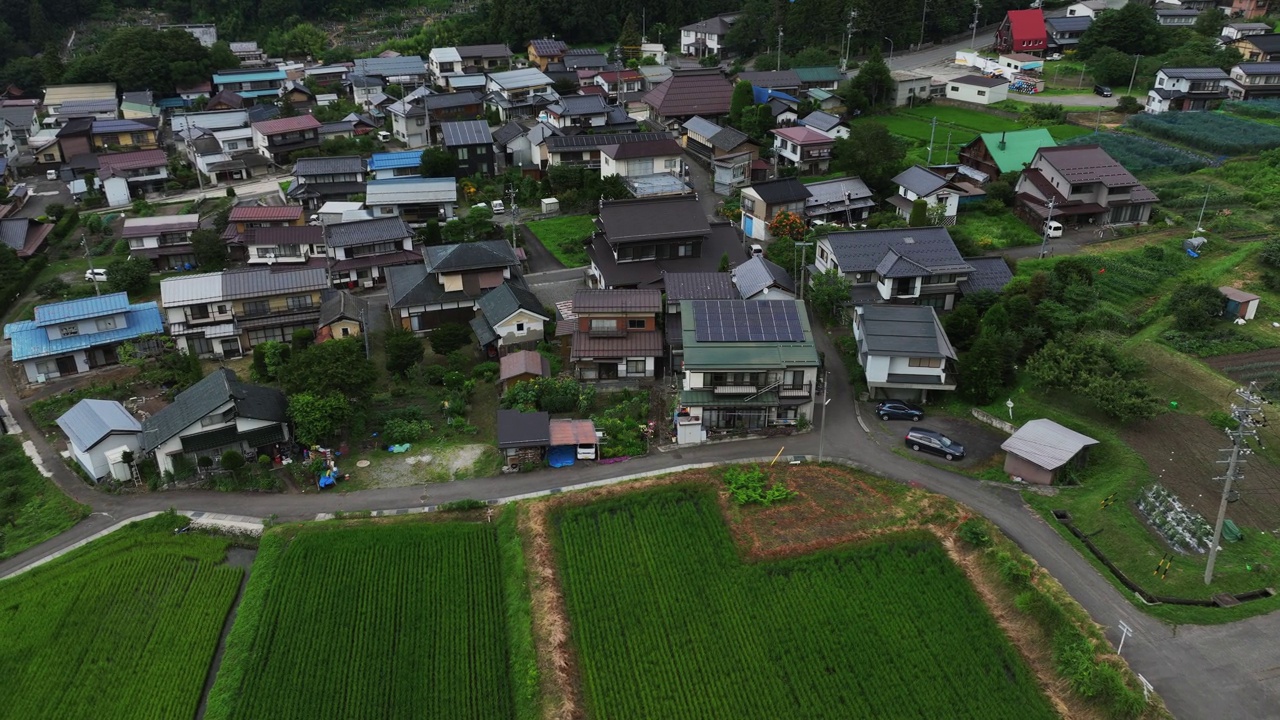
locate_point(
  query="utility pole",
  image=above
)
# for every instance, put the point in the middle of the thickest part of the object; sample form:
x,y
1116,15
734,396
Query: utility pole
x,y
511,199
886,37
933,126
364,330
779,47
93,275
1134,74
924,13
848,41
973,41
1249,415
1044,241
947,157
800,270
1203,205
822,429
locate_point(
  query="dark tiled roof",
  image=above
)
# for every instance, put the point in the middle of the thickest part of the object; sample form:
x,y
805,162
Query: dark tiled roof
x,y
443,101
342,164
771,78
979,81
704,91
607,301
557,143
364,232
904,331
251,401
755,275
291,235
470,256
548,48
784,190
578,105
632,344
503,301
723,240
650,148
524,362
1087,163
1198,73
921,181
508,132
989,273
1267,42
931,248
653,218
340,305
520,429
700,286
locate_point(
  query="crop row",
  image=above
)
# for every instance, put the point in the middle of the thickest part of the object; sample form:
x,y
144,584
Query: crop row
x,y
669,623
1211,132
123,629
1142,156
373,621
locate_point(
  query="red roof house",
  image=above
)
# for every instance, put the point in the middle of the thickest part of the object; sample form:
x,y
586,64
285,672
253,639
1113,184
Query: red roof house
x,y
1022,31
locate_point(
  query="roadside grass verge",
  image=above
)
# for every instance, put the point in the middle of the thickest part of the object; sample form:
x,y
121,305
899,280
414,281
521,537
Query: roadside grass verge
x,y
32,508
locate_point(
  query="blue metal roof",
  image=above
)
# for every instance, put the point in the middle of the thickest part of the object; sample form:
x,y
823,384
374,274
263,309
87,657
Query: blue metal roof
x,y
173,103
69,310
763,95
258,93
89,421
220,79
30,341
106,126
393,160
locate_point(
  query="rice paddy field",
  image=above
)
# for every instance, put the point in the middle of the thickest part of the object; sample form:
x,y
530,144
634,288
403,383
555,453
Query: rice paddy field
x,y
370,621
125,627
669,622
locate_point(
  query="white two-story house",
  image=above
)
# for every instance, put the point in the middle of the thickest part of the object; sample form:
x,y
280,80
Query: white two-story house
x,y
164,240
904,351
361,251
519,93
941,196
1187,89
706,37
803,148
77,336
906,266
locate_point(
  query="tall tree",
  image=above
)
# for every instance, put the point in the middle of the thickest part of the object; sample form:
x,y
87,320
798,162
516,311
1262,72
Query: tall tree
x,y
1132,29
742,99
873,81
438,163
829,293
630,36
871,153
210,250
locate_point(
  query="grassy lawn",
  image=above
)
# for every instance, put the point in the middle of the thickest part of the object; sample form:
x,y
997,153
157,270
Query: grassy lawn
x,y
1066,132
563,236
992,232
975,120
32,508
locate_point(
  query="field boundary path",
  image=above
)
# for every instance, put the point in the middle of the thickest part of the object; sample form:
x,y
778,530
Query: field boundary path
x,y
1200,671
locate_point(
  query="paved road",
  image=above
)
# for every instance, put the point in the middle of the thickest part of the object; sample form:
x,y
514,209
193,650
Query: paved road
x,y
1202,672
540,258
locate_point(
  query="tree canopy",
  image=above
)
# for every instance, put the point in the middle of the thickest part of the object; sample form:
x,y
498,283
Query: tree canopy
x,y
871,153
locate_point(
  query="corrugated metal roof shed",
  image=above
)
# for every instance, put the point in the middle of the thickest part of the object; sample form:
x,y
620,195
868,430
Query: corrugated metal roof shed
x,y
91,420
1046,443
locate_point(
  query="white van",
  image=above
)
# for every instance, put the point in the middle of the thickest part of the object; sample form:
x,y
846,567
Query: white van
x,y
497,207
1053,228
384,136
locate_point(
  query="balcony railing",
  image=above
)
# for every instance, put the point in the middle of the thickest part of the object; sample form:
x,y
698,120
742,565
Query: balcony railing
x,y
606,332
794,391
735,390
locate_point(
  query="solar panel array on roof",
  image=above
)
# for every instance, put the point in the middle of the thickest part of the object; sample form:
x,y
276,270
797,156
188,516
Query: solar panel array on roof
x,y
747,321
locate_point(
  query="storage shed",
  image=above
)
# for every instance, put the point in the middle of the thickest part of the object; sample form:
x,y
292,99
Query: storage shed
x,y
98,433
1040,449
523,437
1240,304
522,365
576,435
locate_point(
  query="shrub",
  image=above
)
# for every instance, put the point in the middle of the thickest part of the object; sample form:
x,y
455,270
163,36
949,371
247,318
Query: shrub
x,y
463,505
232,461
450,337
434,374
486,372
974,532
747,485
398,431
54,288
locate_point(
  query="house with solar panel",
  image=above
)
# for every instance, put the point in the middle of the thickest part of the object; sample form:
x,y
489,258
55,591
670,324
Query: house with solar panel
x,y
746,365
215,415
76,336
471,143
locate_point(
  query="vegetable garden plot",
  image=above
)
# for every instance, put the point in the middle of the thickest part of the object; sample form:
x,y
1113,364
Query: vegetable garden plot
x,y
1140,155
1211,132
124,628
669,623
370,621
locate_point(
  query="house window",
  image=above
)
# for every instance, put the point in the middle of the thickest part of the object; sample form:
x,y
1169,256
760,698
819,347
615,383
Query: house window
x,y
346,332
222,309
462,153
200,345
420,122
669,164
606,325
136,244
934,301
225,416
69,330
49,157
520,328
231,145
822,254
748,204
635,367
105,324
299,302
942,279
387,210
635,324
955,88
138,138
982,93
257,307
925,362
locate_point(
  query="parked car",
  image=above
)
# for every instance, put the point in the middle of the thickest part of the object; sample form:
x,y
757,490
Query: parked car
x,y
1102,90
1053,228
96,274
932,441
498,207
1053,56
757,250
899,410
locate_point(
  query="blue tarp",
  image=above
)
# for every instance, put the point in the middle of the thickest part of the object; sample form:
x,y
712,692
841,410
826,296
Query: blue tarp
x,y
562,455
329,478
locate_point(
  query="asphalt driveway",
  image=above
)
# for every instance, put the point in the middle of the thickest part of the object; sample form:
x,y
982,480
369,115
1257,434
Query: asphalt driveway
x,y
981,442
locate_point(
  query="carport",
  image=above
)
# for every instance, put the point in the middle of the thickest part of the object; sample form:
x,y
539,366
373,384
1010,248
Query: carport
x,y
523,437
1040,449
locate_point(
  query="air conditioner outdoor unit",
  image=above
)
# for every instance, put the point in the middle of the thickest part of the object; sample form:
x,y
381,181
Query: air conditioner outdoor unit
x,y
366,283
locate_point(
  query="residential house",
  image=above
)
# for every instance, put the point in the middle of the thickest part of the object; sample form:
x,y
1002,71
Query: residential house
x,y
654,75
342,315
904,351
461,83
764,200
363,250
616,334
320,179
941,195
784,106
641,240
1246,8
747,365
577,60
417,200
760,279
707,37
586,149
1177,17
543,52
99,432
1022,31
520,366
225,155
508,318
1065,32
681,286
842,201
340,212
278,139
729,152
492,56
1258,48
586,112
165,240
1234,31
1041,451
145,170
387,165
410,121
1254,81
74,139
472,144
76,336
17,124
281,247
525,148
452,107
216,415
57,95
689,93
248,53
25,236
523,437
805,149
636,159
993,154
84,109
407,71
1084,184
366,91
824,100
187,125
251,83
224,314
519,93
225,100
244,217
1187,89
362,124
297,95
827,77
619,83
784,80
444,287
327,76
206,33
978,89
904,266
1088,9
825,123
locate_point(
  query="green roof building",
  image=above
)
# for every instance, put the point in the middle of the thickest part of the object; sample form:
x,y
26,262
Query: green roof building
x,y
747,365
1002,152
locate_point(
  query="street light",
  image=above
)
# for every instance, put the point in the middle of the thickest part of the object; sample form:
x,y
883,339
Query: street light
x,y
890,47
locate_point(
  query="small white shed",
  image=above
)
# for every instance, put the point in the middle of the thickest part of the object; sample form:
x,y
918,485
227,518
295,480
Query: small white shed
x,y
98,434
978,89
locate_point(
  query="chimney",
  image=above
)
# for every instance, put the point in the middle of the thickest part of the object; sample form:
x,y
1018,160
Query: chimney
x,y
1002,143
